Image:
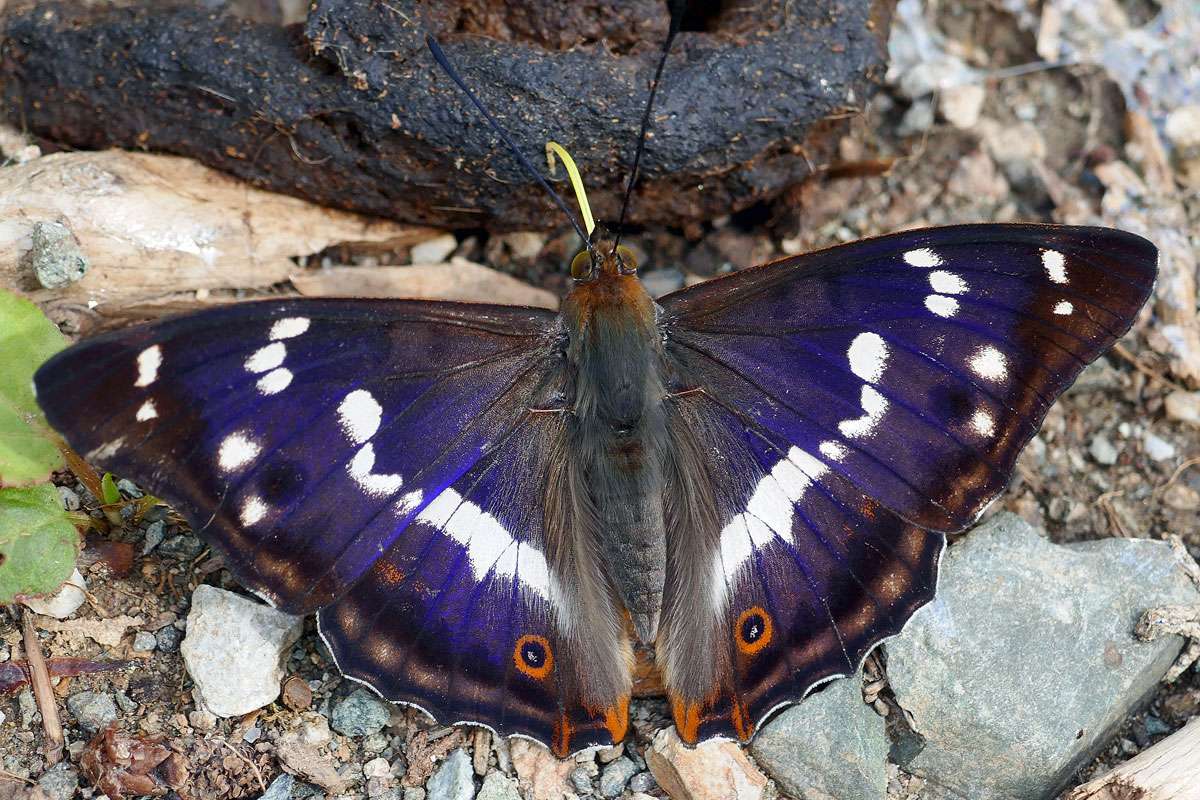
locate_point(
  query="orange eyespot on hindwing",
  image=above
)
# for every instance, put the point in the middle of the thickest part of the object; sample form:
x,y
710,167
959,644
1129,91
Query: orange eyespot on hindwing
x,y
753,630
533,656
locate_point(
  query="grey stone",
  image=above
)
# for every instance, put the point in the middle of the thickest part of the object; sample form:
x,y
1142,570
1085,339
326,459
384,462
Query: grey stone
x,y
498,786
280,788
129,488
154,536
581,780
616,775
1158,448
92,710
832,743
168,638
643,782
125,703
60,782
70,500
454,779
414,793
1103,450
55,256
1026,663
184,547
235,649
144,641
360,714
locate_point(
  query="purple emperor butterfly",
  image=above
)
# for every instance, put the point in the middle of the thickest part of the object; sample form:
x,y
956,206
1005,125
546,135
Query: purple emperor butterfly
x,y
487,505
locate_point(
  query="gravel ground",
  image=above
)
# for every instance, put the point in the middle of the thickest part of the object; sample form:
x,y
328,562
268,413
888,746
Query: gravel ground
x,y
1110,460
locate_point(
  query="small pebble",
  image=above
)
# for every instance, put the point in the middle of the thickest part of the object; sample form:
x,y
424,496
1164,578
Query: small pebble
x,y
129,488
643,782
609,754
280,788
181,548
60,782
1157,448
615,776
1183,407
581,780
454,779
498,786
1103,450
55,256
168,638
377,768
92,710
125,703
70,500
360,714
144,642
154,536
252,734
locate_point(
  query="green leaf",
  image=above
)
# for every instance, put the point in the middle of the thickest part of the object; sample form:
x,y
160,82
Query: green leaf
x,y
108,486
28,452
38,543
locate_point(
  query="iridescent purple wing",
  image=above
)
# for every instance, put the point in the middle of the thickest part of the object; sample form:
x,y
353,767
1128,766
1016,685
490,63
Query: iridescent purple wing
x,y
372,457
864,396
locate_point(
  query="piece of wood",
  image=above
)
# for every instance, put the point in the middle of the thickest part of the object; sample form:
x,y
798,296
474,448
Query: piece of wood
x,y
153,228
43,692
460,280
1170,770
351,111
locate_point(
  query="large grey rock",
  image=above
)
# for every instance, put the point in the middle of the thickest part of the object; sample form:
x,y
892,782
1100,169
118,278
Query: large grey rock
x,y
234,650
454,779
831,745
1026,662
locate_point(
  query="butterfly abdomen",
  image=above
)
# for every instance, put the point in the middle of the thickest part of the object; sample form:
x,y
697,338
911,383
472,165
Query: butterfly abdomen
x,y
618,436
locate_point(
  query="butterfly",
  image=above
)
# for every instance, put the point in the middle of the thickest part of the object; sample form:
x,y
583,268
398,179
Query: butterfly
x,y
487,506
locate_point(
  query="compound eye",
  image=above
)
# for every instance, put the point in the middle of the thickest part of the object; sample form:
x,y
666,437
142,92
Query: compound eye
x,y
627,259
581,266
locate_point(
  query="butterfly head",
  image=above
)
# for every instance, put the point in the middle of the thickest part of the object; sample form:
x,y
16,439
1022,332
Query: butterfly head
x,y
603,257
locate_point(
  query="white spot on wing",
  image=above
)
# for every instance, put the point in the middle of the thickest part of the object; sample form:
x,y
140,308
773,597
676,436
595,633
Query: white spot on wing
x,y
146,412
832,450
148,361
236,451
868,355
983,423
922,257
769,512
267,358
375,484
941,305
1056,265
946,282
490,547
874,405
288,327
106,450
253,510
360,415
988,362
1064,308
275,381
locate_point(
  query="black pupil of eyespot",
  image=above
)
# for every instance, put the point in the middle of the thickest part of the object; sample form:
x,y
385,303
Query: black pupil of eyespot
x,y
533,655
752,628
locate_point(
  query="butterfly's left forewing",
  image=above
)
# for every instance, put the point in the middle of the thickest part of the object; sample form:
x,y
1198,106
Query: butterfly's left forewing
x,y
863,397
382,460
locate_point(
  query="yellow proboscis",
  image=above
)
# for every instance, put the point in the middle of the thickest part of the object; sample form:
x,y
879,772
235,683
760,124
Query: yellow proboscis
x,y
555,149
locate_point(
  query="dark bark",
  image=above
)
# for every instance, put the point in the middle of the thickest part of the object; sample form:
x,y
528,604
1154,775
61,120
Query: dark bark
x,y
350,111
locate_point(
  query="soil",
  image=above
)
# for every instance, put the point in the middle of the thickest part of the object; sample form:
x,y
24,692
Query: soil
x,y
881,181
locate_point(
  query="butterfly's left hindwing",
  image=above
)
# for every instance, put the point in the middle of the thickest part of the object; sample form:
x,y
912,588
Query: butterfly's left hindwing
x,y
864,396
382,460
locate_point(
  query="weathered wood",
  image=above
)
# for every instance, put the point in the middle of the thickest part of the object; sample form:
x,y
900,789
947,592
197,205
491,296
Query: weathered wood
x,y
1170,770
458,280
157,228
351,111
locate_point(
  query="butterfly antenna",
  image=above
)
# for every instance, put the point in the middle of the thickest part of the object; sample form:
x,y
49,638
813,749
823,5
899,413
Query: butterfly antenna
x,y
678,7
440,57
